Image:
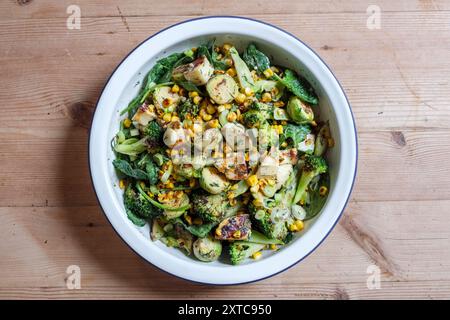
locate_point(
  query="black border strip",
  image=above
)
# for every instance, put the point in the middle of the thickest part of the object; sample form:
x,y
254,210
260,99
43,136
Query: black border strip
x,y
270,25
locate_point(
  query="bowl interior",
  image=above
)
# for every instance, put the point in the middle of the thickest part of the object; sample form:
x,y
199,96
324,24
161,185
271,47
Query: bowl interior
x,y
284,50
279,57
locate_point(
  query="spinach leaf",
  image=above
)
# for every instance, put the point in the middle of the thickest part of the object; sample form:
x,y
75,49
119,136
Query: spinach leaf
x,y
255,59
200,230
140,222
317,201
189,86
295,134
298,86
160,73
208,51
127,169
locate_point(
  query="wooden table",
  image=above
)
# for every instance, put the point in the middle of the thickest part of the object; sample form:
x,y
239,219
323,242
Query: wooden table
x,y
396,78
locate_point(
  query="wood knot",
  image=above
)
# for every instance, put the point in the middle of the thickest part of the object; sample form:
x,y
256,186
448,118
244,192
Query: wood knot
x,y
23,2
81,113
327,47
398,138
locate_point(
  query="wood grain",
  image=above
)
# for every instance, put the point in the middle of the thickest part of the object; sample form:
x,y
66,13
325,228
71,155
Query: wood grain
x,y
396,79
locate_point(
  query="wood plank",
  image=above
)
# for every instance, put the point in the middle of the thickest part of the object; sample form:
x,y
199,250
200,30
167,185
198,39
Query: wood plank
x,y
406,88
394,233
49,8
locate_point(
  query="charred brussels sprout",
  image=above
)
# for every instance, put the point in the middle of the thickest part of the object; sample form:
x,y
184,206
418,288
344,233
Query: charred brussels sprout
x,y
207,249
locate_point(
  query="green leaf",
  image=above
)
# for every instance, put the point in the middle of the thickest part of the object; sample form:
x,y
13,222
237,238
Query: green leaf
x,y
127,169
134,218
298,86
255,59
201,230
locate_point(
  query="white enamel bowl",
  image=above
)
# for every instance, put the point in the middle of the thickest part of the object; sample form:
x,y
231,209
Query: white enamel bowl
x,y
285,50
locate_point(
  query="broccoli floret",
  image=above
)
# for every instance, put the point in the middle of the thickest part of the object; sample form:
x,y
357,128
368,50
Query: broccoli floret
x,y
212,207
154,133
313,166
240,250
150,168
188,107
254,118
264,223
138,206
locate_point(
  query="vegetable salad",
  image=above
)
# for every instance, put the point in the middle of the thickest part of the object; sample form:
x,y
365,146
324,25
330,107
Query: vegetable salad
x,y
221,151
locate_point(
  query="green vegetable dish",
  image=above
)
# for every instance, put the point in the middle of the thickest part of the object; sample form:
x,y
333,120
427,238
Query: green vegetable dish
x,y
222,153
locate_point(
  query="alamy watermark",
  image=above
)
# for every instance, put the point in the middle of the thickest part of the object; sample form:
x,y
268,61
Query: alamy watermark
x,y
374,279
373,22
73,280
73,22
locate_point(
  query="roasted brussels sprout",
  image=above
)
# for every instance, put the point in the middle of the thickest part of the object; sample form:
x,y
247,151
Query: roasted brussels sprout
x,y
207,249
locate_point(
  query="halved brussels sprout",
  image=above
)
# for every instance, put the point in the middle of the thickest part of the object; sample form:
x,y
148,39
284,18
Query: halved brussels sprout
x,y
300,111
213,181
164,99
222,88
207,249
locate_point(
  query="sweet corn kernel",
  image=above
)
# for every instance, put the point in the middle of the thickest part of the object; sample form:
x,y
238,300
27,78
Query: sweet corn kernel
x,y
167,102
233,202
231,72
192,183
240,98
167,117
323,190
237,234
299,224
266,97
127,123
182,92
227,106
268,73
188,218
207,117
273,247
193,94
210,109
230,195
220,108
257,255
231,116
218,232
197,99
213,123
284,144
271,182
174,119
170,185
254,188
234,187
248,91
197,221
293,228
252,180
121,184
257,203
226,47
175,88
330,142
279,104
229,62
